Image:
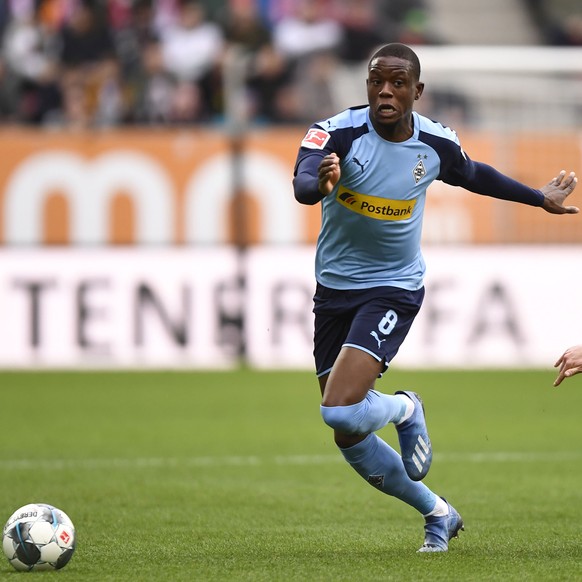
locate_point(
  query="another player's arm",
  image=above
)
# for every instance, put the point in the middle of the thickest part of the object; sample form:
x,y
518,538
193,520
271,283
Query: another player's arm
x,y
315,177
570,363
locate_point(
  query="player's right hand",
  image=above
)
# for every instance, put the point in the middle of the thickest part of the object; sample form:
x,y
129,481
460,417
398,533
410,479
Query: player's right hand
x,y
329,173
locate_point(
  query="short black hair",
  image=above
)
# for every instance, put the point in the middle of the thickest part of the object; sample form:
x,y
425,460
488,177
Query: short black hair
x,y
400,51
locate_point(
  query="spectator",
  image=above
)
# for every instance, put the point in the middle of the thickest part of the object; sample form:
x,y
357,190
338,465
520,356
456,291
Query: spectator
x,y
152,88
90,64
4,17
192,51
165,15
559,23
9,94
120,13
405,20
132,31
361,34
217,10
309,31
568,32
186,104
272,11
244,26
266,70
31,55
75,113
86,40
110,102
307,40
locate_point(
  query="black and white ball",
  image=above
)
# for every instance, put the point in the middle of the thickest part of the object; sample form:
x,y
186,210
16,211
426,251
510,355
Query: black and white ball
x,y
39,536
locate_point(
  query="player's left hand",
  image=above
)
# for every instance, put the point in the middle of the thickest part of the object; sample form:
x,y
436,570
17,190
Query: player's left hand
x,y
556,192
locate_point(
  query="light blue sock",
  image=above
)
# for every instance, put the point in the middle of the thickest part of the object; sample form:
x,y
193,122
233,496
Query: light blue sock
x,y
381,466
368,415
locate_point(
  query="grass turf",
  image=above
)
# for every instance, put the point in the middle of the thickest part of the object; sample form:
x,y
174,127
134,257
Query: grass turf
x,y
233,476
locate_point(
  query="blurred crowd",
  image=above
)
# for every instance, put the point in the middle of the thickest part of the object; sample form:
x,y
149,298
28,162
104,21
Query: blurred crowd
x,y
559,22
103,63
106,63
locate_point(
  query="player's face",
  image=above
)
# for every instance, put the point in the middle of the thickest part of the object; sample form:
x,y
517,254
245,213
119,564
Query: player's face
x,y
392,90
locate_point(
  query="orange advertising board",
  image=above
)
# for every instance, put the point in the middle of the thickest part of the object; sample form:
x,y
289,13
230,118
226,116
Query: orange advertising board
x,y
160,187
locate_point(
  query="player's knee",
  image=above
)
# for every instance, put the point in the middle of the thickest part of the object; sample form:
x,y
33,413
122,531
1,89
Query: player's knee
x,y
344,419
345,441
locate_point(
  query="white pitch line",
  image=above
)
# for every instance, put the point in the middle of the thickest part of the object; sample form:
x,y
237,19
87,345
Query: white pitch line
x,y
509,457
255,461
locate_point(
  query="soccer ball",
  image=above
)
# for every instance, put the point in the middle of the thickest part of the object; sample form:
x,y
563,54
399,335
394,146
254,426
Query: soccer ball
x,y
38,537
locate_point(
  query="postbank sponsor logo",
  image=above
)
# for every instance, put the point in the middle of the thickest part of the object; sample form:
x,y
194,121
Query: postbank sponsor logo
x,y
374,206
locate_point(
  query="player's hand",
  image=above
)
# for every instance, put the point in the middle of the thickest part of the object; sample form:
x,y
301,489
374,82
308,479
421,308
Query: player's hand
x,y
556,192
570,363
329,173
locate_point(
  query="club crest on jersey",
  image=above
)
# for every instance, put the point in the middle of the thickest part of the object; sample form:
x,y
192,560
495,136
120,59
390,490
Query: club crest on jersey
x,y
419,171
315,139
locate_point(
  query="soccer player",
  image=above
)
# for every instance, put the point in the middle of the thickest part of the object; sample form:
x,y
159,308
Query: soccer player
x,y
370,167
570,363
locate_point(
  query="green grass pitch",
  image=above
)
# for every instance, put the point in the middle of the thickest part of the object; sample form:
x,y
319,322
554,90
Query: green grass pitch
x,y
228,476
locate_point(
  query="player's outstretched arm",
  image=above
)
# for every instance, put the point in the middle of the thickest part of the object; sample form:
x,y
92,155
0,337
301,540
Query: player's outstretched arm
x,y
556,192
570,363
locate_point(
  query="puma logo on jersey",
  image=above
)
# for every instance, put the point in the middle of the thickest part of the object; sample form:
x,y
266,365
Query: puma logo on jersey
x,y
375,336
362,165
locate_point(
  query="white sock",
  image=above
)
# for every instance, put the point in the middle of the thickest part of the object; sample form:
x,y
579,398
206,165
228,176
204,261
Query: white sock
x,y
409,408
440,508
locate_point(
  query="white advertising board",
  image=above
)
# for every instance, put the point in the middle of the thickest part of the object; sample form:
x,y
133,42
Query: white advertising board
x,y
278,307
497,307
183,307
115,308
485,307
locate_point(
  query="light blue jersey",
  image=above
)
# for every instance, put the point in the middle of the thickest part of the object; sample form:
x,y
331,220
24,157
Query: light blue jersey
x,y
372,220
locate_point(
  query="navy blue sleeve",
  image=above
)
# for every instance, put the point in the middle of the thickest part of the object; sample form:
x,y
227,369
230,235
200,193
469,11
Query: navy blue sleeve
x,y
318,143
484,179
458,169
306,180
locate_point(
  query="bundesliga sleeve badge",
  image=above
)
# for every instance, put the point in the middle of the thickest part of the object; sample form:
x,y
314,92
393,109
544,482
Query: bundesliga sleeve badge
x,y
315,139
